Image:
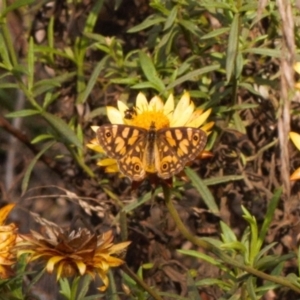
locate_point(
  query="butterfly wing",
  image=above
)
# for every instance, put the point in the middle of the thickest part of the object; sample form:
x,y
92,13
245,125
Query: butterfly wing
x,y
176,147
126,144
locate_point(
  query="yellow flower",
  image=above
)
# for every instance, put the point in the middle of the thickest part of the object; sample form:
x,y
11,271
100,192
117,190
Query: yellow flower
x,y
144,114
74,253
8,236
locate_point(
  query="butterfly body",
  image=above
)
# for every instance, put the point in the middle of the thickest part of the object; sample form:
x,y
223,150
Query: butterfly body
x,y
139,151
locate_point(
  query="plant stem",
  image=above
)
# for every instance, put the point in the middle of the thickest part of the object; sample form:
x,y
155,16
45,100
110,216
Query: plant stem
x,y
219,253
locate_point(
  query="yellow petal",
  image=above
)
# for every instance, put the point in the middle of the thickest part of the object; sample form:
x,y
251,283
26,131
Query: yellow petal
x,y
198,118
112,169
295,175
208,126
4,211
295,137
81,267
104,279
169,105
95,128
183,111
141,103
156,104
95,147
106,162
114,116
122,107
52,261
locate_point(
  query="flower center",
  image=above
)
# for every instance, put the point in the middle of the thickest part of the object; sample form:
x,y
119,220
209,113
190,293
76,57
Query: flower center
x,y
146,118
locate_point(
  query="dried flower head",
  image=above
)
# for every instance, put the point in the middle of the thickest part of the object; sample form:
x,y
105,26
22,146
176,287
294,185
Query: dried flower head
x,y
74,253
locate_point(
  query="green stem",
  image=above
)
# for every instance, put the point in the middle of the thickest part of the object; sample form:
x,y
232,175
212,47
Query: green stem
x,y
219,253
140,282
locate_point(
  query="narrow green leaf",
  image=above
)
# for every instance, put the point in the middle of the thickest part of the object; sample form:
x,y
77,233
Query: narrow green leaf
x,y
42,137
191,27
50,36
203,190
250,288
171,18
222,179
264,51
15,5
82,97
201,255
269,215
147,23
150,71
93,16
84,286
193,76
30,167
232,47
239,123
62,128
22,113
215,33
30,61
227,234
4,54
144,85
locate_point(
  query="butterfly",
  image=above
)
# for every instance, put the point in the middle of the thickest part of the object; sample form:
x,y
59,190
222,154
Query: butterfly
x,y
139,151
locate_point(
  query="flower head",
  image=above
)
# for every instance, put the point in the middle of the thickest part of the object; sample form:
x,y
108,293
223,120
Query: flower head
x,y
74,253
8,236
143,150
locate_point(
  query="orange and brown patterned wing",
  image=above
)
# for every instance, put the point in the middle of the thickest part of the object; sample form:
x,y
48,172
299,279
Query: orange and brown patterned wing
x,y
126,144
176,147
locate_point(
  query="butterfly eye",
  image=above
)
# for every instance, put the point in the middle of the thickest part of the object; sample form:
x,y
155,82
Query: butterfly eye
x,y
137,167
164,166
195,137
108,134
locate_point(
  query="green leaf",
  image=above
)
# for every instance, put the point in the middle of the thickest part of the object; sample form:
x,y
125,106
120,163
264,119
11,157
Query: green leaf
x,y
171,18
203,190
15,5
227,234
146,23
29,169
232,47
62,128
193,75
200,255
190,26
215,33
82,97
239,123
269,216
222,179
150,71
30,61
264,51
250,288
4,54
42,137
23,113
93,16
